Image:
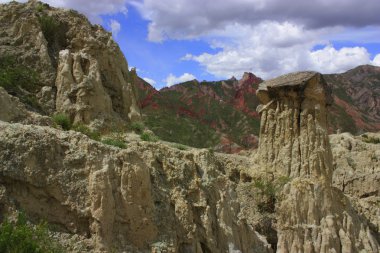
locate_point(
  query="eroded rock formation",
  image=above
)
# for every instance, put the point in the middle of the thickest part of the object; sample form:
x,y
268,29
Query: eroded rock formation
x,y
81,70
312,216
146,198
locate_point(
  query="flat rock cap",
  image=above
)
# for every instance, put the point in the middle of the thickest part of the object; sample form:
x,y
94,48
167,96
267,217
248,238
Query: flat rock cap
x,y
305,84
292,79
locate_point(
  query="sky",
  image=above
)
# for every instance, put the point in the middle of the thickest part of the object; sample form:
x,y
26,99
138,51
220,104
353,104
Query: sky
x,y
171,41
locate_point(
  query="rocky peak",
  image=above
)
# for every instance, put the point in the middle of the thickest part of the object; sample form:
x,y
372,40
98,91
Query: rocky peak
x,y
247,81
82,71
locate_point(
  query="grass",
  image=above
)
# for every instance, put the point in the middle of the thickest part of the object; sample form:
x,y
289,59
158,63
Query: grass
x,y
49,27
62,120
21,237
268,191
138,127
147,136
114,142
95,135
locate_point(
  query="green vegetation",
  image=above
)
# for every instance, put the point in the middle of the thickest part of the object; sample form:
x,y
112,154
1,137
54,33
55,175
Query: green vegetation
x,y
49,27
41,7
147,136
341,93
19,80
54,32
188,131
370,139
116,142
95,135
62,120
137,127
340,119
268,191
21,237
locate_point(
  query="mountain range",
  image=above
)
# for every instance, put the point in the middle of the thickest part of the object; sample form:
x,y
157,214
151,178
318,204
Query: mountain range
x,y
222,114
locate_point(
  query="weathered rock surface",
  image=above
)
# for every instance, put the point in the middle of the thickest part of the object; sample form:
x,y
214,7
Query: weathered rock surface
x,y
82,71
357,173
154,198
147,198
12,110
312,216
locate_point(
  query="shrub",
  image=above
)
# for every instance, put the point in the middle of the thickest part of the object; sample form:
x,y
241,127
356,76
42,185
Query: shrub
x,y
268,191
114,142
147,136
49,27
20,237
19,80
95,135
138,127
14,75
62,120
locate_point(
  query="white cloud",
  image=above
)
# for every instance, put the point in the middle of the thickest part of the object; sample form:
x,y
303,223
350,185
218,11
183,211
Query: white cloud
x,y
330,60
149,80
172,79
271,49
115,27
92,9
376,60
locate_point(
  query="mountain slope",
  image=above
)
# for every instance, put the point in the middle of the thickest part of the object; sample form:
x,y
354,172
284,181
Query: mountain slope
x,y
356,99
223,114
204,114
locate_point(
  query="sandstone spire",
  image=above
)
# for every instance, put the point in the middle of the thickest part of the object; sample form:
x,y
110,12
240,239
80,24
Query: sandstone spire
x,y
311,215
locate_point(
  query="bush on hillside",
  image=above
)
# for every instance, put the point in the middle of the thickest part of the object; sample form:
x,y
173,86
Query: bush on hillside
x,y
62,120
21,237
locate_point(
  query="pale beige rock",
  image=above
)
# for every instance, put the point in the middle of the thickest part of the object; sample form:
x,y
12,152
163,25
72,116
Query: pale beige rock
x,y
85,69
12,110
147,198
311,215
357,172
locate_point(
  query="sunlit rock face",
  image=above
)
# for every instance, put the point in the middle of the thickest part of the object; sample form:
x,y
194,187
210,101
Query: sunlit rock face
x,y
311,215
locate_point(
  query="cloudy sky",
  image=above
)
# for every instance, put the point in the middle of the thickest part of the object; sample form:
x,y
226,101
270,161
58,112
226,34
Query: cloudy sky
x,y
170,41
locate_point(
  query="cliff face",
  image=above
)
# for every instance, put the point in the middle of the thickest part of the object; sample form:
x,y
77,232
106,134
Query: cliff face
x,y
148,197
312,216
80,69
151,197
294,194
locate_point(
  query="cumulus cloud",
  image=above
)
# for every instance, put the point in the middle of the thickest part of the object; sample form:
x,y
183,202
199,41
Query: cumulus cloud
x,y
172,79
331,60
271,49
149,80
115,27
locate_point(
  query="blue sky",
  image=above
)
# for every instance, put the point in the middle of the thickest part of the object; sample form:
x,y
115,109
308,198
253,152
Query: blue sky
x,y
156,60
171,41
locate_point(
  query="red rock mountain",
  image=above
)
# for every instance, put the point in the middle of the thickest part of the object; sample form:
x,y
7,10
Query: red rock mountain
x,y
223,114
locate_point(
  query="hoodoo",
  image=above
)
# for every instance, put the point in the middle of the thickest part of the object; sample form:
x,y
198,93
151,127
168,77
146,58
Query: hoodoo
x,y
312,216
